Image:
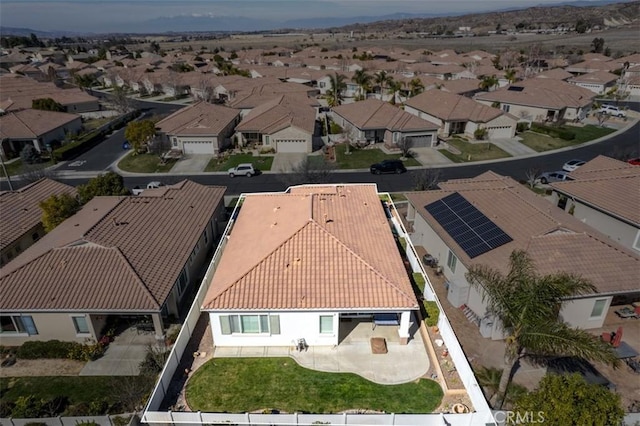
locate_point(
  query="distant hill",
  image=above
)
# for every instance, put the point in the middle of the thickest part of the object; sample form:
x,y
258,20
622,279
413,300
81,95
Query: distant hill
x,y
26,32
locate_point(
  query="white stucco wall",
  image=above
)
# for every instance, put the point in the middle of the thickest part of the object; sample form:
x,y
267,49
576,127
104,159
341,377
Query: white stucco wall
x,y
293,326
50,326
290,133
577,313
521,111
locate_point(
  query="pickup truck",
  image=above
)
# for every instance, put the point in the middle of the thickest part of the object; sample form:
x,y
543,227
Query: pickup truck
x,y
151,185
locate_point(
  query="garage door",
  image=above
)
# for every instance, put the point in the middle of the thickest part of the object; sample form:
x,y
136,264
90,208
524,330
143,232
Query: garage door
x,y
421,141
291,145
198,147
499,132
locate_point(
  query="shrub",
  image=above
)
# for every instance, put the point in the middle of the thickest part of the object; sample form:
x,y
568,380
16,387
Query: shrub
x,y
480,133
522,126
267,150
432,313
27,407
87,352
121,420
51,349
29,155
154,360
335,128
78,410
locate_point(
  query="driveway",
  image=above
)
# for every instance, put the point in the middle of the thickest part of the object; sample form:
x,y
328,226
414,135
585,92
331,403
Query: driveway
x,y
286,162
192,163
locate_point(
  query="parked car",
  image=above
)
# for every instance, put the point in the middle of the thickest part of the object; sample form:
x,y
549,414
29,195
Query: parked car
x,y
151,185
558,176
388,166
634,161
245,169
571,165
612,110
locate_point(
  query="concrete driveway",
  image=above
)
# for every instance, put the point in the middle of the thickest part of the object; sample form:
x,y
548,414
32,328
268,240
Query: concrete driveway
x,y
286,162
191,163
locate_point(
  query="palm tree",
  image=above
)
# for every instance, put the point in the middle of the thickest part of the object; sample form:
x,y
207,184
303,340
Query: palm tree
x,y
363,80
338,85
394,87
510,75
415,87
382,79
528,306
488,82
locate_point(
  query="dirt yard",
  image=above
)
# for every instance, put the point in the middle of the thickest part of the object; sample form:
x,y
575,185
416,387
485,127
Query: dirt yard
x,y
42,367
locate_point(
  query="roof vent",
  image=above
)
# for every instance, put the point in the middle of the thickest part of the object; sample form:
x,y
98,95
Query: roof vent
x,y
297,261
274,224
275,209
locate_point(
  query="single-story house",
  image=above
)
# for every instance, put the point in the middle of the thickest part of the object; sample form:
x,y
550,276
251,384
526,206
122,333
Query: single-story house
x,y
483,220
286,123
201,128
35,127
21,224
599,82
603,194
132,256
326,255
377,121
459,114
539,99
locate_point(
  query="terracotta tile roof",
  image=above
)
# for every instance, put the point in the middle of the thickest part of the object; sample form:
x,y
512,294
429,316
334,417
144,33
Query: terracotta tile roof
x,y
22,91
20,210
609,185
556,240
538,92
376,114
201,118
32,123
595,77
146,238
452,107
319,248
279,113
460,86
555,74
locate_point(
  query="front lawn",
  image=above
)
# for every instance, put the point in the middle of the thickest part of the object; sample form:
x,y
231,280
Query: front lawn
x,y
18,167
144,163
13,168
479,151
364,158
94,123
239,385
539,142
262,163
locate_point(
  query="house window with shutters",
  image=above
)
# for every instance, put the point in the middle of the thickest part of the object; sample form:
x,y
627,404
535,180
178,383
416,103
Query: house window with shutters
x,y
250,324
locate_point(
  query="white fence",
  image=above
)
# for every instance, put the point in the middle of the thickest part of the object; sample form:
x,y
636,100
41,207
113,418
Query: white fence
x,y
70,421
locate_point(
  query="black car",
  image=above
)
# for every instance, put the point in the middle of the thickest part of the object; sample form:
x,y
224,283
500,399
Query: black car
x,y
388,166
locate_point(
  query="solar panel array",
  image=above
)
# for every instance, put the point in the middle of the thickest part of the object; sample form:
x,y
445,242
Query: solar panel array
x,y
469,227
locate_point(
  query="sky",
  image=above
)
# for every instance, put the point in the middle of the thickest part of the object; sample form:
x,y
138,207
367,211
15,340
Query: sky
x,y
100,16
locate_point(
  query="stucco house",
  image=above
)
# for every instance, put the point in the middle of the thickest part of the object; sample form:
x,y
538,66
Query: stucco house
x,y
539,99
38,128
21,224
133,257
603,194
378,121
286,123
326,255
599,82
459,114
482,220
201,128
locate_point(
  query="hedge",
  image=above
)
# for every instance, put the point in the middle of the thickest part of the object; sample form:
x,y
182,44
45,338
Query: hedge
x,y
558,132
432,313
51,349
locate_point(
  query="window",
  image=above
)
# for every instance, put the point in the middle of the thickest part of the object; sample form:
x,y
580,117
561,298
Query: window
x,y
506,108
326,324
18,324
250,324
598,308
266,140
452,260
80,323
182,281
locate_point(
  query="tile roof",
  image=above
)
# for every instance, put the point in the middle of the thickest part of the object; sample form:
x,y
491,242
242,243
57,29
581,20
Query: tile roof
x,y
377,114
20,210
279,113
556,240
452,107
555,74
22,91
33,123
144,240
607,184
540,92
201,118
595,77
318,248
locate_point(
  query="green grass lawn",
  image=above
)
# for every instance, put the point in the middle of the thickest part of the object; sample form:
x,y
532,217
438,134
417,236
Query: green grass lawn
x,y
13,168
144,163
18,167
96,122
473,151
239,385
539,142
364,158
262,163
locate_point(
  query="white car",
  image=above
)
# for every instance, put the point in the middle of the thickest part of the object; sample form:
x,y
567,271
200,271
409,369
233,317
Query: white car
x,y
245,169
151,185
612,110
549,177
572,165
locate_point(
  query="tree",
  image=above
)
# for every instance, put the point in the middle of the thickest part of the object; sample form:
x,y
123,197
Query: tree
x,y
394,88
29,155
569,400
488,82
47,104
309,171
382,79
582,26
528,306
415,86
531,175
139,133
363,80
105,184
405,144
598,45
426,179
510,75
120,99
338,86
57,208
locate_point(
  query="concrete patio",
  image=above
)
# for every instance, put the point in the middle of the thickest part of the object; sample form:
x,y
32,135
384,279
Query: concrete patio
x,y
401,364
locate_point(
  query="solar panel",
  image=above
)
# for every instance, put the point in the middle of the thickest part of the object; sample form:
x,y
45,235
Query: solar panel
x,y
469,227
